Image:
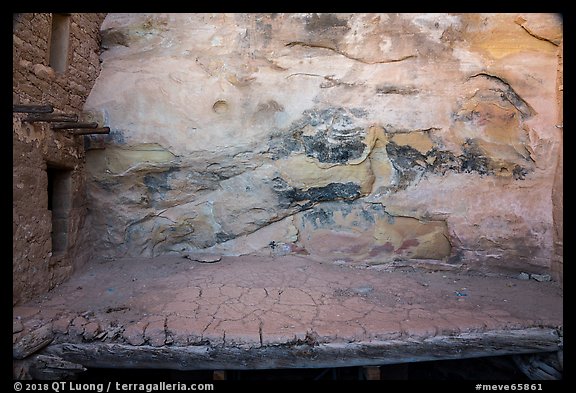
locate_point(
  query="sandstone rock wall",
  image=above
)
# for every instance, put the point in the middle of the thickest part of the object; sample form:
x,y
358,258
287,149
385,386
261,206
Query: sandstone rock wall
x,y
360,138
36,148
558,190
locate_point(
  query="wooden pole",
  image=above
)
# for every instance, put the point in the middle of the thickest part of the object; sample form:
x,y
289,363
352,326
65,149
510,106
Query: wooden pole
x,y
33,108
67,126
102,130
50,117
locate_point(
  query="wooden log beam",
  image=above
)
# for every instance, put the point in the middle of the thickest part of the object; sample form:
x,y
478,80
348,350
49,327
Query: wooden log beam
x,y
539,366
102,130
32,108
329,355
50,118
68,126
44,368
32,342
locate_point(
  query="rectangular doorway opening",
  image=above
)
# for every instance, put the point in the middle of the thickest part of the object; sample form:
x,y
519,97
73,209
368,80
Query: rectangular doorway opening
x,y
59,203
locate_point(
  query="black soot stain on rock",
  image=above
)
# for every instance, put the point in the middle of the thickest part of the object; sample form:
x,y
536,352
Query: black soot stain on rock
x,y
473,160
410,164
222,237
320,218
329,135
158,184
323,22
321,148
334,191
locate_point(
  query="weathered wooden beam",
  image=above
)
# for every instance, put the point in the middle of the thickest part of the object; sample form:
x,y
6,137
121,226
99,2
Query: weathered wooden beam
x,y
68,126
33,108
50,117
44,367
540,366
329,355
102,130
33,342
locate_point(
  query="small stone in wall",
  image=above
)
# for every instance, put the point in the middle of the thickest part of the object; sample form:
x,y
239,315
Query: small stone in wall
x,y
541,277
536,277
523,276
17,326
91,330
42,71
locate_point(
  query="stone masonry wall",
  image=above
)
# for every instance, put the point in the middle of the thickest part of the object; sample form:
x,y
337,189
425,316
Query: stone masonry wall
x,y
391,139
36,269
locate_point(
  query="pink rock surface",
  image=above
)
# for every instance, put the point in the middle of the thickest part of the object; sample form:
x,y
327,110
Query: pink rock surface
x,y
254,301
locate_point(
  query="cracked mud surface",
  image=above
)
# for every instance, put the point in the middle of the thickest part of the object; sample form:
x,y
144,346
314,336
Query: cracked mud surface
x,y
253,301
